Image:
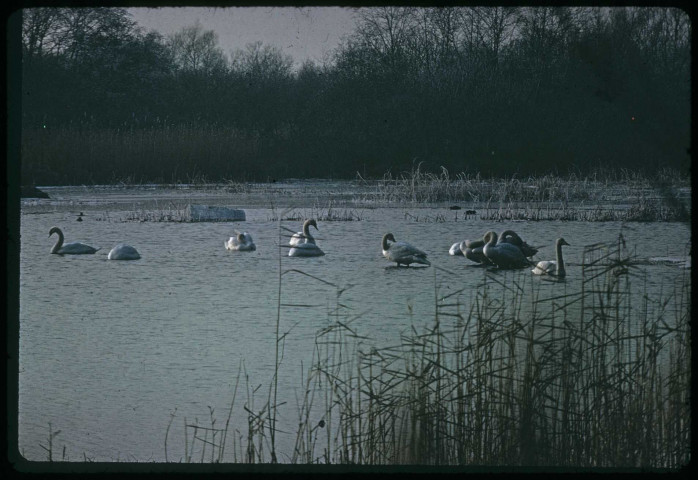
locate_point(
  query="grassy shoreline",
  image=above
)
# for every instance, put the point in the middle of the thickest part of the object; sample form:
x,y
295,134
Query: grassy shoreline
x,y
624,196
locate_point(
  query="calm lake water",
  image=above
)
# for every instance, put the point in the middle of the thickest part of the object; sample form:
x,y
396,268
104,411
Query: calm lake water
x,y
109,350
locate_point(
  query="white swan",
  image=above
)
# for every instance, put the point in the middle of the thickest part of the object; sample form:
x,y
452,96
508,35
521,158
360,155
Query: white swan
x,y
304,236
504,255
455,249
241,242
305,250
123,252
553,267
402,253
74,248
510,236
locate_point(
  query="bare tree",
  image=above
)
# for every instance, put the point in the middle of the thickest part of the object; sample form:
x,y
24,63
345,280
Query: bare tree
x,y
71,32
262,61
37,26
493,28
196,51
386,32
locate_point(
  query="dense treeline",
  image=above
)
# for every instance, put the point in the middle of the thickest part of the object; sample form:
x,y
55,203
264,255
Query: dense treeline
x,y
497,90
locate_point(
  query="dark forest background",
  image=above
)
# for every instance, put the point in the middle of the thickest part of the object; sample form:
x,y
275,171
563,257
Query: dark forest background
x,y
495,90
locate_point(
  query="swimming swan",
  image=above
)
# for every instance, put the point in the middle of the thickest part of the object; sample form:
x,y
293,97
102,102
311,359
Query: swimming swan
x,y
402,253
304,236
74,248
241,242
510,236
123,252
504,255
553,267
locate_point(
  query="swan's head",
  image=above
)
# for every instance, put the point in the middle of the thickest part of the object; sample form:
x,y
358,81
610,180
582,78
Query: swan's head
x,y
310,222
241,237
386,237
562,241
55,230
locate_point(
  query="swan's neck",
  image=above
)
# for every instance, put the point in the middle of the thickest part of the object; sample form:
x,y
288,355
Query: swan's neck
x,y
560,270
59,243
385,242
306,230
507,233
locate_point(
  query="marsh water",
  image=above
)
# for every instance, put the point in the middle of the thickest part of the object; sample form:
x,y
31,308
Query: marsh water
x,y
110,351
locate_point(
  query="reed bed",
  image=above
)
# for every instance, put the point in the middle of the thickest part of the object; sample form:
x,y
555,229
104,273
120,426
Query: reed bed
x,y
601,196
330,211
168,213
587,379
502,376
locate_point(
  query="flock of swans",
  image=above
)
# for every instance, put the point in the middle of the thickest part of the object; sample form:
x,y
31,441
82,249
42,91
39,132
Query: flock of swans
x,y
119,252
510,251
505,251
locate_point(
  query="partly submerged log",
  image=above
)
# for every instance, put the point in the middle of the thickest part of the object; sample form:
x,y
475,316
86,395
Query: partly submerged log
x,y
207,213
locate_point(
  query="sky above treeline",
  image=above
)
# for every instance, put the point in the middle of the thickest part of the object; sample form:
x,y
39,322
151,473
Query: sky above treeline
x,y
303,33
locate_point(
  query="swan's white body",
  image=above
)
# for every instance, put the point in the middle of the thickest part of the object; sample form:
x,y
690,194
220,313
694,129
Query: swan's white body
x,y
74,248
241,242
402,253
305,250
455,249
553,267
504,255
123,252
304,236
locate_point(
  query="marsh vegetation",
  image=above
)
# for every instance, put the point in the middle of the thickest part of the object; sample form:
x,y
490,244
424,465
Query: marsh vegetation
x,y
508,374
594,378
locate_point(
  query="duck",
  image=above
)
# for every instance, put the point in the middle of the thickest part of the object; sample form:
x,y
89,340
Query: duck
x,y
241,242
74,248
123,252
304,236
402,253
553,267
504,255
